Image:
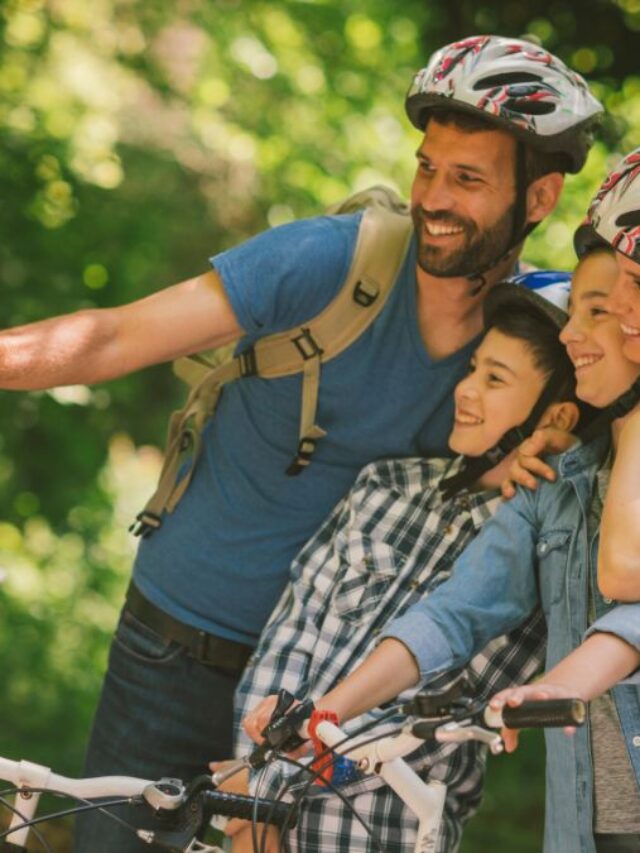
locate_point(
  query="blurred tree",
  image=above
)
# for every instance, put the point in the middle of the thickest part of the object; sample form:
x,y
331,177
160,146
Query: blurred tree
x,y
136,140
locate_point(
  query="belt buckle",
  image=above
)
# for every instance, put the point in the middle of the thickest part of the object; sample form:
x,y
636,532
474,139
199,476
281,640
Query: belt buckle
x,y
201,651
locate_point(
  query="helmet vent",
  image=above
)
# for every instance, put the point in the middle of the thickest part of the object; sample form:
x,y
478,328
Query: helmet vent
x,y
526,107
629,219
506,79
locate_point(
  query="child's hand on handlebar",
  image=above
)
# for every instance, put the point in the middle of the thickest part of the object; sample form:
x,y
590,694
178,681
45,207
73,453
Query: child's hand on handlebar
x,y
259,718
515,696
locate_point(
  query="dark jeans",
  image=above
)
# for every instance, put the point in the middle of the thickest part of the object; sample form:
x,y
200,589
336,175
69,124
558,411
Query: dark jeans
x,y
161,713
617,843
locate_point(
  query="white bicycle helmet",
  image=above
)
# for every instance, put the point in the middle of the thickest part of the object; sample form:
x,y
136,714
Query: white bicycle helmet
x,y
614,213
514,84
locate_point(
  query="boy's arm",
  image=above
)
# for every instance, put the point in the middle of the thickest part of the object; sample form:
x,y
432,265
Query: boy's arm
x,y
100,344
619,552
491,590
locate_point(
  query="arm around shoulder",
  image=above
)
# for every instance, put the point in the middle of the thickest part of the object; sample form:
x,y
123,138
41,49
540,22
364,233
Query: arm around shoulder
x,y
100,344
619,552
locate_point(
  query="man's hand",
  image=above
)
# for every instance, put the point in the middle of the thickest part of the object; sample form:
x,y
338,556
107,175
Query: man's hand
x,y
242,838
238,784
515,696
528,467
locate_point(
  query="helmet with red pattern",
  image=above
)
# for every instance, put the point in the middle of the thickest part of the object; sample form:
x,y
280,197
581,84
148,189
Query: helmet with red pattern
x,y
515,85
614,213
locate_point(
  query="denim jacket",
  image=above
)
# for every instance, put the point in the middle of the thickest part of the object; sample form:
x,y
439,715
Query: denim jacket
x,y
535,550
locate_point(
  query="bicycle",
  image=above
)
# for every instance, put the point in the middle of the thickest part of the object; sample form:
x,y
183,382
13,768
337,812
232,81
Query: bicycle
x,y
179,813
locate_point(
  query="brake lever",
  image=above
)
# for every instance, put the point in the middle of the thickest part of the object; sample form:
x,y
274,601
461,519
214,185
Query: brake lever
x,y
458,732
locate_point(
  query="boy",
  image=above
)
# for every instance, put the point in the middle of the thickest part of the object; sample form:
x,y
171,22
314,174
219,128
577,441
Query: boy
x,y
391,541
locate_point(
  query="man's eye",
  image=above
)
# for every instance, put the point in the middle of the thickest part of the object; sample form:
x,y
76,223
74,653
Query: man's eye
x,y
597,312
466,178
493,377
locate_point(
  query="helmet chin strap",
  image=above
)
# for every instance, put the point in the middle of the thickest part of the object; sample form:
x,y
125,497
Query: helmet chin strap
x,y
618,409
520,228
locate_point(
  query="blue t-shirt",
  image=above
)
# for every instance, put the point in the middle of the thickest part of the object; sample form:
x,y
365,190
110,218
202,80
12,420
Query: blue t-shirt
x,y
221,559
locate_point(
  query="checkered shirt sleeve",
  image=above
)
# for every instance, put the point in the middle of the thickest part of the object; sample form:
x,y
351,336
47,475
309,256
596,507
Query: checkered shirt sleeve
x,y
390,542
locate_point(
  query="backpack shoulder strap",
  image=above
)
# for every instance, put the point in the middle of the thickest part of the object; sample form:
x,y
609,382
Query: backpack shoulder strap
x,y
381,246
383,239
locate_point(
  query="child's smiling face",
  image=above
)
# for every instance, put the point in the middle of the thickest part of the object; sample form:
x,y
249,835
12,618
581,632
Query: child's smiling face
x,y
499,392
624,302
594,340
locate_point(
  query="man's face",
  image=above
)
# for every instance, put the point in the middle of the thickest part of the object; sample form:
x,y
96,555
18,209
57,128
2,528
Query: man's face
x,y
499,392
463,198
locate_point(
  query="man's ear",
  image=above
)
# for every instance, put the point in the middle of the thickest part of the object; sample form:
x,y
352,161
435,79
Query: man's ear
x,y
563,416
543,195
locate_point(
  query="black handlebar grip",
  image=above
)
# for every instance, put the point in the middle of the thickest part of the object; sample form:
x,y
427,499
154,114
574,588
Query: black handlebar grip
x,y
243,806
546,713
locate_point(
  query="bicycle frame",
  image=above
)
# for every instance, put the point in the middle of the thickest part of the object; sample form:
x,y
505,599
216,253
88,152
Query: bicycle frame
x,y
425,799
27,775
382,757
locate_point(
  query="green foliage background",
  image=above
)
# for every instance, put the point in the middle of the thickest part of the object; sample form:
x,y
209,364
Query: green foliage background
x,y
136,140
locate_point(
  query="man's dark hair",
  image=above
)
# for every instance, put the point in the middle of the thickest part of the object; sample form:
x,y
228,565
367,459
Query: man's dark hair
x,y
536,162
541,337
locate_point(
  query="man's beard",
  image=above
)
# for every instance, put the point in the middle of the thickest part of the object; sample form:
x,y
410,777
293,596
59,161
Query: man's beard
x,y
480,251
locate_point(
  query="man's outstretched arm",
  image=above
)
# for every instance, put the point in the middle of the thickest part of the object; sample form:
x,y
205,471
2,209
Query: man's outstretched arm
x,y
100,344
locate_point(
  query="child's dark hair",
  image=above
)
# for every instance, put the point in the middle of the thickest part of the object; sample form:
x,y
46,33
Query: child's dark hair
x,y
542,338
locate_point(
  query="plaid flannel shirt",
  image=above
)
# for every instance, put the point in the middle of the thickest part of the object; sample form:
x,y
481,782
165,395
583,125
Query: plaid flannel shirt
x,y
387,544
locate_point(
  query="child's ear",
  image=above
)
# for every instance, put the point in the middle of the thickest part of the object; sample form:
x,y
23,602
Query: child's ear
x,y
563,415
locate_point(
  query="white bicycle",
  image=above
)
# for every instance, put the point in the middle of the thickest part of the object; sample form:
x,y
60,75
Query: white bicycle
x,y
177,815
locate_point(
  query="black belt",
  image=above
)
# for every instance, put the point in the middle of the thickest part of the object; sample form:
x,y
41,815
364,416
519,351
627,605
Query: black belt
x,y
227,655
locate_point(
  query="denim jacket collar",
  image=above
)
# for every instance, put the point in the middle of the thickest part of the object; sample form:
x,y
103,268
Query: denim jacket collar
x,y
583,458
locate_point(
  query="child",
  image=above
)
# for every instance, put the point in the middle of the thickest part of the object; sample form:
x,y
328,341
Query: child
x,y
614,217
391,541
543,544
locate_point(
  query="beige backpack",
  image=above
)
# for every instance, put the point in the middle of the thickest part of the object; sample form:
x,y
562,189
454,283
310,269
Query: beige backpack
x,y
383,239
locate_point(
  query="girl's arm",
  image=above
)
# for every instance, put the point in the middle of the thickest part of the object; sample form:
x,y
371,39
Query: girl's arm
x,y
619,553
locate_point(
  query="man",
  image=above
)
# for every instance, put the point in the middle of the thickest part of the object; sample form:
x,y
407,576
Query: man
x,y
489,168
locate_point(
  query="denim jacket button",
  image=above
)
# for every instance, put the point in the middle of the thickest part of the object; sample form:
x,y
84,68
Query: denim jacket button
x,y
543,548
607,600
636,740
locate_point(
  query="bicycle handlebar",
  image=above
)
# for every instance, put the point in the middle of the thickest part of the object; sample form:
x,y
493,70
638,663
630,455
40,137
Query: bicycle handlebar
x,y
545,713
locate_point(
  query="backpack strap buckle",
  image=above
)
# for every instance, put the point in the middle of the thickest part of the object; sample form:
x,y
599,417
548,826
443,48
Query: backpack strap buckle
x,y
365,292
307,345
306,449
247,362
145,524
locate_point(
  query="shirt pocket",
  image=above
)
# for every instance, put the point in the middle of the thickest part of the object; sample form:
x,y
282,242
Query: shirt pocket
x,y
365,584
552,551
